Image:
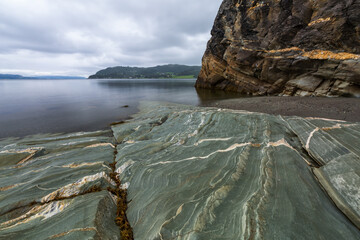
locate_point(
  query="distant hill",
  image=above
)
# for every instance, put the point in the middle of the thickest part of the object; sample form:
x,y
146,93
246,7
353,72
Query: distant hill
x,y
15,76
59,77
163,71
10,76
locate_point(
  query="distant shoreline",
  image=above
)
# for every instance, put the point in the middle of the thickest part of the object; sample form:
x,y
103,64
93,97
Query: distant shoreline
x,y
20,77
145,78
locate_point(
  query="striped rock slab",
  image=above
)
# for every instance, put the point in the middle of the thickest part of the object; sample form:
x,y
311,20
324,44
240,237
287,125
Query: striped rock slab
x,y
190,173
206,173
55,187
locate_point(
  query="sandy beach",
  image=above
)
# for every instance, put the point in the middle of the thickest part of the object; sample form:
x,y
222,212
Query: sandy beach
x,y
347,109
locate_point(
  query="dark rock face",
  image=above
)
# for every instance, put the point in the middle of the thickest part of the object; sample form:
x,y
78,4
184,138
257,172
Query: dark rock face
x,y
284,47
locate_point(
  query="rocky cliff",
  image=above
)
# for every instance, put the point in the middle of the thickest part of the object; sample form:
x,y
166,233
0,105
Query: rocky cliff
x,y
284,47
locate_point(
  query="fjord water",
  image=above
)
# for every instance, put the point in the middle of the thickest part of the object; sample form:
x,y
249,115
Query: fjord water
x,y
51,106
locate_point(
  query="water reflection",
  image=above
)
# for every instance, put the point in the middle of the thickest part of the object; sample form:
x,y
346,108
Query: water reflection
x,y
42,106
148,83
211,95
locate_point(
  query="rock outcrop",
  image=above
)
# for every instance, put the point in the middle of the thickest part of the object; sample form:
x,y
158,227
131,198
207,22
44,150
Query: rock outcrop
x,y
208,173
182,172
57,187
284,47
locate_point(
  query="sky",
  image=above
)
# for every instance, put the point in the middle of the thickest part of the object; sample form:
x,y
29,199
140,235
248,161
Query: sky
x,y
80,37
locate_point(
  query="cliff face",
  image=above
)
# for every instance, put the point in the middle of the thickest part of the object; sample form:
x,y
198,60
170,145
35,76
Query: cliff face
x,y
284,47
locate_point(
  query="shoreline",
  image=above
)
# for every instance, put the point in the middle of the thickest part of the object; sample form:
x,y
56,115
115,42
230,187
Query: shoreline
x,y
346,109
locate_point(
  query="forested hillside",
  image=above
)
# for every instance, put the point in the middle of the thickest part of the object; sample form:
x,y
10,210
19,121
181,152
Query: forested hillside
x,y
163,71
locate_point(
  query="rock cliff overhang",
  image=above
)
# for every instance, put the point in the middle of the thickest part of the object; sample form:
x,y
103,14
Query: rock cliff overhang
x,y
296,48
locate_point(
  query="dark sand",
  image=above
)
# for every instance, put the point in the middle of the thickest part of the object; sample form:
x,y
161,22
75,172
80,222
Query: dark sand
x,y
347,109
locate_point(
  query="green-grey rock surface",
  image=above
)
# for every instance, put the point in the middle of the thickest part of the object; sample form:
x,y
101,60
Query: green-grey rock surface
x,y
54,187
190,173
201,173
335,146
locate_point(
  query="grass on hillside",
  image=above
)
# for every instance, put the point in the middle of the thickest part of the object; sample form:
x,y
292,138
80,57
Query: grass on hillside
x,y
184,77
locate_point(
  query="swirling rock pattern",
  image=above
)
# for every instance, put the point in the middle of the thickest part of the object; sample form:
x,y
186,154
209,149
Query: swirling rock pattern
x,y
282,47
190,173
54,187
196,173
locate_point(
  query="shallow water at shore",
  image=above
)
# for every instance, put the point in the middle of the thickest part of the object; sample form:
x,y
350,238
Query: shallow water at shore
x,y
50,106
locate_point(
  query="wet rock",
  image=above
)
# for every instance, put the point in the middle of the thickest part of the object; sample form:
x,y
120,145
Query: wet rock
x,y
256,45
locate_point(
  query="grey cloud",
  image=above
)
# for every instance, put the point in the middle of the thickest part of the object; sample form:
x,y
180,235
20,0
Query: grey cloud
x,y
100,33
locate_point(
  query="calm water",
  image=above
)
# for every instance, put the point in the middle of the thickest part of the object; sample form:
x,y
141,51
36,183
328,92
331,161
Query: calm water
x,y
50,106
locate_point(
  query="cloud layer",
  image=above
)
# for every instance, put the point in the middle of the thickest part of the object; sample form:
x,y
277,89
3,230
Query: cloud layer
x,y
77,37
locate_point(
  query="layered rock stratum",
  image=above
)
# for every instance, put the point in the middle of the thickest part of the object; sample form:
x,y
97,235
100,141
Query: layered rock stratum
x,y
284,47
55,187
189,173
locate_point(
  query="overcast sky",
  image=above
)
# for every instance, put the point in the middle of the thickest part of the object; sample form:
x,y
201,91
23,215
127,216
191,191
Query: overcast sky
x,y
80,37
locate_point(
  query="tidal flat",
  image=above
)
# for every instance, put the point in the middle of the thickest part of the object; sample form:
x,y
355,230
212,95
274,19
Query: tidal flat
x,y
189,173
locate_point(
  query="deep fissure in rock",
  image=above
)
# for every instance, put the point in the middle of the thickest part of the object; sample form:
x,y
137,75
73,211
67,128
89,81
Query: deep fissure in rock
x,y
121,194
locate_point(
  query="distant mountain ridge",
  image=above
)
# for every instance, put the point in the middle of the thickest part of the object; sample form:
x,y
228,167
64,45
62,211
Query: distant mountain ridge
x,y
161,71
16,76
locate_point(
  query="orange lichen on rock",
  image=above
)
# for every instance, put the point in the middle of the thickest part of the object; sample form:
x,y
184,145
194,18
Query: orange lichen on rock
x,y
284,50
318,54
258,5
314,54
322,54
320,20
